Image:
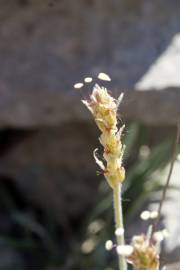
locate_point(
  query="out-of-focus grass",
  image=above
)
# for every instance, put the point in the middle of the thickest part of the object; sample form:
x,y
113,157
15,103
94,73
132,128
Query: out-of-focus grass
x,y
142,161
40,240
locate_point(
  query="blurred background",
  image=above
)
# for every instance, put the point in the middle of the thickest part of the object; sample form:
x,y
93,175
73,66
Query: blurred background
x,y
55,212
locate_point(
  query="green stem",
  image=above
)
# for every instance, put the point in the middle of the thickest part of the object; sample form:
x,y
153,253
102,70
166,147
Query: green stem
x,y
118,215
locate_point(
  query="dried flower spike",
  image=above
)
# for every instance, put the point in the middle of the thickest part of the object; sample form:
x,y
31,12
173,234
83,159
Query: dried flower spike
x,y
145,255
104,109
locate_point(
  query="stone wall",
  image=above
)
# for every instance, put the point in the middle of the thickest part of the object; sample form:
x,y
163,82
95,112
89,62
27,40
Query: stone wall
x,y
48,45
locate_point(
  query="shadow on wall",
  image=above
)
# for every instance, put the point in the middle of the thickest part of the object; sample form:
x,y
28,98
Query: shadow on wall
x,y
48,45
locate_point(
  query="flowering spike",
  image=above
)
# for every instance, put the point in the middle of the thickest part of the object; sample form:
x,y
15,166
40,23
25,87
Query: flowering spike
x,y
145,255
104,109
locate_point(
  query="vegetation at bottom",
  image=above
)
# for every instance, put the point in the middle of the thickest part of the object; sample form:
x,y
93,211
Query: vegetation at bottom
x,y
39,243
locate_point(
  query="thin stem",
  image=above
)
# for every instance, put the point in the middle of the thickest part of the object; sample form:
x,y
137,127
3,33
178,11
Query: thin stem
x,y
118,215
174,153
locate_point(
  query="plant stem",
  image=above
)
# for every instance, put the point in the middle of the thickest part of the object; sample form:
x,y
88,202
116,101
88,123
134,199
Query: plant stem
x,y
118,215
173,159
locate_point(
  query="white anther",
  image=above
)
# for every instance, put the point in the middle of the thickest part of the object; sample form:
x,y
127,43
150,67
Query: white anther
x,y
124,250
119,231
104,77
88,80
78,85
109,245
145,215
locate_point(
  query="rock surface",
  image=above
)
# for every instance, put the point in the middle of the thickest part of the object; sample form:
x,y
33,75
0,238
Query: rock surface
x,y
174,266
9,258
171,215
164,72
54,168
46,46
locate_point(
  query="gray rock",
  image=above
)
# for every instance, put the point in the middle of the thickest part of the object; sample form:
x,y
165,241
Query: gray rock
x,y
152,107
9,257
46,48
54,169
170,215
164,72
174,266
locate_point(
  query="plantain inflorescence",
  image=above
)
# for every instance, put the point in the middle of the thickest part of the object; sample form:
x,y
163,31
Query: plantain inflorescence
x,y
104,109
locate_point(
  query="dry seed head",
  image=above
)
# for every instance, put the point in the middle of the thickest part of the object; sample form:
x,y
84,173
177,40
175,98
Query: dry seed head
x,y
104,109
144,255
